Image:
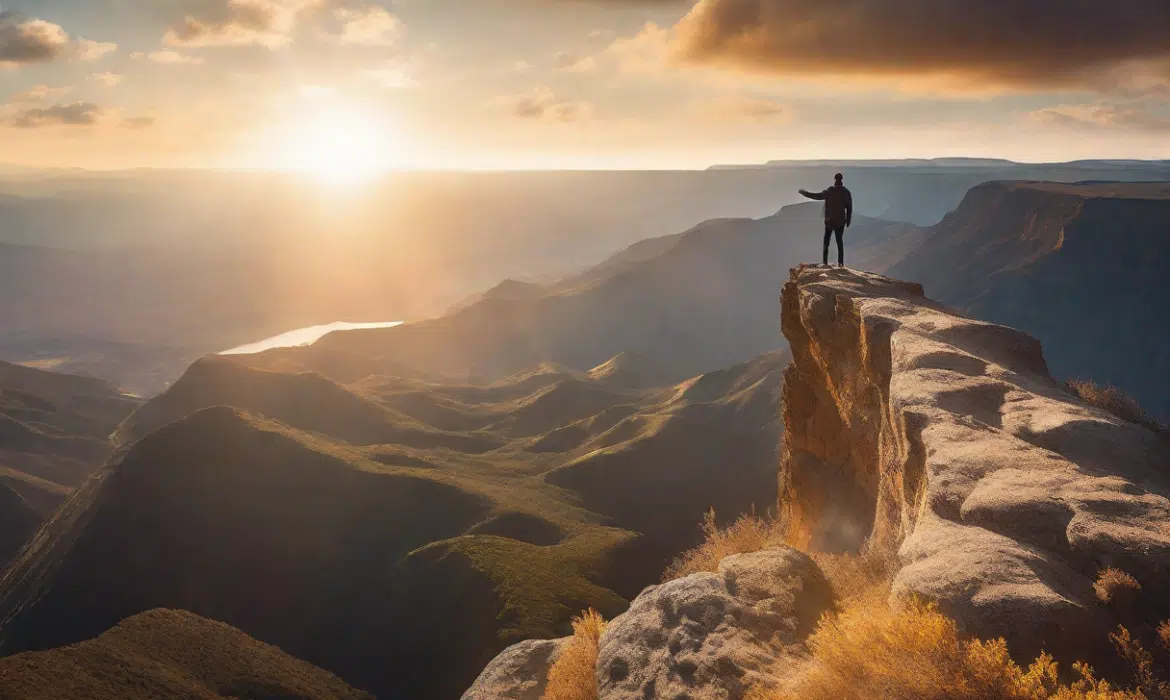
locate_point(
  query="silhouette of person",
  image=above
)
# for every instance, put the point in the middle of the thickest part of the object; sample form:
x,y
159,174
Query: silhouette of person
x,y
838,215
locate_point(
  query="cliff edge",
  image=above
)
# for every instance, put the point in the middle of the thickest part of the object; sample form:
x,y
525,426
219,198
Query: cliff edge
x,y
934,441
911,427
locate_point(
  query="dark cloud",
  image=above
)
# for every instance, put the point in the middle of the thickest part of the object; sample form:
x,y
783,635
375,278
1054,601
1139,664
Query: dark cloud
x,y
75,114
30,40
1005,42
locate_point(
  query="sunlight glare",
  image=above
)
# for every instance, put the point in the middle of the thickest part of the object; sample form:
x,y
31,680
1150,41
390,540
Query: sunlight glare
x,y
339,145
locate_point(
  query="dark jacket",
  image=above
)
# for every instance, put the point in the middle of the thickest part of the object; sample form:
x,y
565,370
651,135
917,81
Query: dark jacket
x,y
838,204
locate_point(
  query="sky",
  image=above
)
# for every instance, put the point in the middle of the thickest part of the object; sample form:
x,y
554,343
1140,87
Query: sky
x,y
347,85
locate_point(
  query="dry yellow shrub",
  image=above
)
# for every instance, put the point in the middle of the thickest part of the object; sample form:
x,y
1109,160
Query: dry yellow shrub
x,y
1141,664
573,676
856,576
1164,634
873,651
1115,401
747,534
1116,587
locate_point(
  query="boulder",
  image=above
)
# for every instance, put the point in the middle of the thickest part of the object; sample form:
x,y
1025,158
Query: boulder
x,y
520,672
713,636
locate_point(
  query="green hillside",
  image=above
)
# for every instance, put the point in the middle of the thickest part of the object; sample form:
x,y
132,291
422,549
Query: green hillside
x,y
388,525
168,654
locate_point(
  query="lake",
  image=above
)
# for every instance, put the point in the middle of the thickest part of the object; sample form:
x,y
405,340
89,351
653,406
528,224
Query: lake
x,y
304,336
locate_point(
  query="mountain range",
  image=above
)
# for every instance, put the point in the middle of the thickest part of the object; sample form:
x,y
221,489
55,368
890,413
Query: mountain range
x,y
421,525
395,506
132,276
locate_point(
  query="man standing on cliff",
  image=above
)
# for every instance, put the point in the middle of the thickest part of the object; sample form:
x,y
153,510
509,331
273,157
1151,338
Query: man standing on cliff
x,y
838,215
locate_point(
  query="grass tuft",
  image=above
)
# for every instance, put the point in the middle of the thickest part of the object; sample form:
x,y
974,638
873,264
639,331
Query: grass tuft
x,y
870,650
854,577
1164,634
574,676
1114,400
1116,587
746,535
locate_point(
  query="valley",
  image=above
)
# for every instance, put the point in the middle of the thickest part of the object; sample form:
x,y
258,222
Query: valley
x,y
488,513
391,507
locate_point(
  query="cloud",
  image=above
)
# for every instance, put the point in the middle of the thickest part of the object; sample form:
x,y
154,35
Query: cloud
x,y
368,26
88,50
735,108
393,75
38,94
30,40
265,23
1017,43
25,41
545,104
75,114
575,64
108,79
169,57
138,123
1104,115
273,24
648,51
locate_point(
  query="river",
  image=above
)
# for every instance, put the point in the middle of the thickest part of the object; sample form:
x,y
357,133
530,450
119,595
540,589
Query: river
x,y
304,336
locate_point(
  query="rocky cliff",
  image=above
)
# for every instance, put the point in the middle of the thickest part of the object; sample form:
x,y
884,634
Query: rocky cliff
x,y
941,440
1069,264
917,429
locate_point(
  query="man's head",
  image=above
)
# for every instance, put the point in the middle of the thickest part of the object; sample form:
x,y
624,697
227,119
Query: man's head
x,y
839,179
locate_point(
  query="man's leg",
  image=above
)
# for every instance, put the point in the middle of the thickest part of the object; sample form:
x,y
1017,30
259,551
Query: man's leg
x,y
840,231
828,237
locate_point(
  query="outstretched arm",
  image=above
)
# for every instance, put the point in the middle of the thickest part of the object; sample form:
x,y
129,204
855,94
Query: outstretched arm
x,y
813,195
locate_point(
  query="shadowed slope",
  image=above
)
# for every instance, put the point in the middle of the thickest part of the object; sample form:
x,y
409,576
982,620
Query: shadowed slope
x,y
18,521
654,470
306,401
1070,265
330,547
239,520
168,654
54,431
634,371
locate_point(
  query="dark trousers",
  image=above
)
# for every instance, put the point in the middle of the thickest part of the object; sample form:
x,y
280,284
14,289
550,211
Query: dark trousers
x,y
838,228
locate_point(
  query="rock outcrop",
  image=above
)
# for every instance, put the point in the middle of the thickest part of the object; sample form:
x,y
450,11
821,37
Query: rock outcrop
x,y
912,427
708,636
520,672
715,635
1068,264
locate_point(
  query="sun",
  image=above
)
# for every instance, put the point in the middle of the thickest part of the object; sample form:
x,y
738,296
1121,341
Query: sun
x,y
339,145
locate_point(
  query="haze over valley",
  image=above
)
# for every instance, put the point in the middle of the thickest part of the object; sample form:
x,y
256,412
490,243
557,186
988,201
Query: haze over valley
x,y
131,277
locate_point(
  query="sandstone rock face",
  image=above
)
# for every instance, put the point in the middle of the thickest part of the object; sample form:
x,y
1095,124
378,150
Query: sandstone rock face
x,y
946,438
520,672
714,635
